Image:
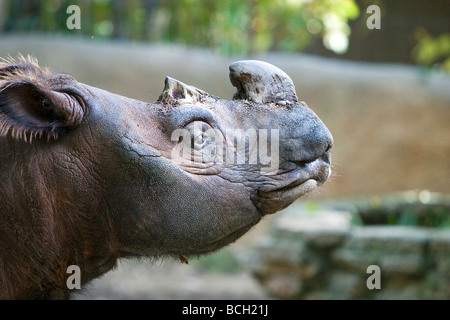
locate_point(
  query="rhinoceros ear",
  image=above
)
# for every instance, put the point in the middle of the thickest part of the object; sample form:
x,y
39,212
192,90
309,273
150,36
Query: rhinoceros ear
x,y
261,82
31,111
177,92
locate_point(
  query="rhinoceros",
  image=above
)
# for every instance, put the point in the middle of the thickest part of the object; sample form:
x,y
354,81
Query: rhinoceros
x,y
88,177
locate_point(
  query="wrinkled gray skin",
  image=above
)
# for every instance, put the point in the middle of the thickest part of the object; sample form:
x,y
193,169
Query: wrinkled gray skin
x,y
104,185
194,211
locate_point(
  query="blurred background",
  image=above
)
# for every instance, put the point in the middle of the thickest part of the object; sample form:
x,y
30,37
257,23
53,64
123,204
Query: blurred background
x,y
383,93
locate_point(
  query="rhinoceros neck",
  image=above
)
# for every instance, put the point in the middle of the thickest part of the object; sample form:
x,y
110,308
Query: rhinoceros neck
x,y
35,234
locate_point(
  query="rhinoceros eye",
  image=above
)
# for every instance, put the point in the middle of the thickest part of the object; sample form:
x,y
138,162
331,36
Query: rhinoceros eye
x,y
200,140
203,139
201,134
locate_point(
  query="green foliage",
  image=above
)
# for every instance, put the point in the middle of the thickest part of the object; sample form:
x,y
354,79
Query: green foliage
x,y
432,52
312,206
236,26
356,219
404,214
229,26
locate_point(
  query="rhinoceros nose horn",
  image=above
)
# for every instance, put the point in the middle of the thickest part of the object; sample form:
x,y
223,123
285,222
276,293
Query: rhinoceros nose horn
x,y
261,82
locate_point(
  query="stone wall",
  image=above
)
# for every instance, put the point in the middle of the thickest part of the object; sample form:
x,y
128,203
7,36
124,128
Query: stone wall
x,y
321,254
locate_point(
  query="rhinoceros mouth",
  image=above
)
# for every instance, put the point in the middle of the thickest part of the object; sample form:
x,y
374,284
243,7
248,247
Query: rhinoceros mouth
x,y
299,173
294,189
291,185
269,202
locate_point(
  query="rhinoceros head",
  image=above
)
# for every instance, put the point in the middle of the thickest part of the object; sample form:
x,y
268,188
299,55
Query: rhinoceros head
x,y
87,176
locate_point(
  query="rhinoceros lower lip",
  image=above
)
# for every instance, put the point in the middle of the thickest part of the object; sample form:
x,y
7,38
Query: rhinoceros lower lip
x,y
294,189
278,199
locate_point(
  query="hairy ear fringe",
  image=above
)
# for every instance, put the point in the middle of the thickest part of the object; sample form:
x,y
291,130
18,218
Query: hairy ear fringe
x,y
14,71
21,132
22,67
